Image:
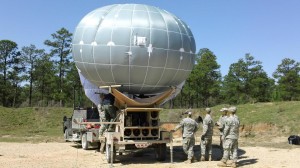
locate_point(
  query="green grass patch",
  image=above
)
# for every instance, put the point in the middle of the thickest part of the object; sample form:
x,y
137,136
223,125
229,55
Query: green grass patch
x,y
283,115
17,124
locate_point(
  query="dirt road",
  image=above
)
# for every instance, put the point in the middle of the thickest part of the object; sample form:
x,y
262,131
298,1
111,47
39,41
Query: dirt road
x,y
70,155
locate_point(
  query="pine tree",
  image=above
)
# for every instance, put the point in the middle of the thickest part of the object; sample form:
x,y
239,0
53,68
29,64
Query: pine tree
x,y
60,51
288,79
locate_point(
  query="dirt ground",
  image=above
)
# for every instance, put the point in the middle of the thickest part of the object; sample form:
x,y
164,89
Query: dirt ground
x,y
70,155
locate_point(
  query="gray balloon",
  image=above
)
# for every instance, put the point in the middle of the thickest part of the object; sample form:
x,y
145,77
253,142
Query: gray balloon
x,y
143,48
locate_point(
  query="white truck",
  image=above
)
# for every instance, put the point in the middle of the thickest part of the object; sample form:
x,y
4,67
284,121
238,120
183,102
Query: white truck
x,y
88,134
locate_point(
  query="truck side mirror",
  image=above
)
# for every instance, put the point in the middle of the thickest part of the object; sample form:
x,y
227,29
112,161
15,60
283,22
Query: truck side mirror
x,y
65,118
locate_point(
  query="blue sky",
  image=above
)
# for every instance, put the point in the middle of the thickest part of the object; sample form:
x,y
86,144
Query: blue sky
x,y
267,29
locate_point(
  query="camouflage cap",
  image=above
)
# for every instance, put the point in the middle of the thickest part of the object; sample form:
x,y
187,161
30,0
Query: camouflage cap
x,y
232,109
188,111
207,109
224,109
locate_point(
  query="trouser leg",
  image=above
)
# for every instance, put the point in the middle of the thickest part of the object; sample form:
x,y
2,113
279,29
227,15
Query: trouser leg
x,y
227,149
209,146
188,146
234,151
191,148
206,148
102,144
102,129
111,114
203,150
221,146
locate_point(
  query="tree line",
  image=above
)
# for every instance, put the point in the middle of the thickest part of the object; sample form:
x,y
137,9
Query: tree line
x,y
35,77
246,82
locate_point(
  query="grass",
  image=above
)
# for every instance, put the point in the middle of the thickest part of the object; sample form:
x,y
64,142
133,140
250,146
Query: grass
x,y
31,124
278,118
38,124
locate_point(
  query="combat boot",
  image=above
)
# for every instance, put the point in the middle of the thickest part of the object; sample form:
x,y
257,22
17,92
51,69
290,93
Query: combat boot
x,y
222,163
193,159
202,158
209,158
189,161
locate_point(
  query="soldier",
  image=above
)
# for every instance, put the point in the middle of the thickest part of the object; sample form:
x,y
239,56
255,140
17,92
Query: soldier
x,y
102,128
107,114
221,124
110,110
189,126
234,113
206,137
235,149
230,138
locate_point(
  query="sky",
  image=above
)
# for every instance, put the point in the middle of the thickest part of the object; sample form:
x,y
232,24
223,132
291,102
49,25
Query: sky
x,y
267,29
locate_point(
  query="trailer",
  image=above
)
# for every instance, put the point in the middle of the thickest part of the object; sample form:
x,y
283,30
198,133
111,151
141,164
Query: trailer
x,y
132,133
137,126
87,135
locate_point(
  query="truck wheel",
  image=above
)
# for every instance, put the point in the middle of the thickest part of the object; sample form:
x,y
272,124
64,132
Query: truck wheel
x,y
108,154
84,142
161,152
66,135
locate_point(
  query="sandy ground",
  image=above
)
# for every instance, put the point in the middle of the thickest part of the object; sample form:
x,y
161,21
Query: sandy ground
x,y
68,154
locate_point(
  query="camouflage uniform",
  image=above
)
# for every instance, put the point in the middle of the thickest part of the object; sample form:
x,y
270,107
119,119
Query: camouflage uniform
x,y
235,148
221,124
102,119
206,138
189,127
230,135
107,114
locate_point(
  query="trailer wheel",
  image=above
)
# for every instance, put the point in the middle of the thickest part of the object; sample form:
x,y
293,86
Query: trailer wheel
x,y
84,142
108,154
161,152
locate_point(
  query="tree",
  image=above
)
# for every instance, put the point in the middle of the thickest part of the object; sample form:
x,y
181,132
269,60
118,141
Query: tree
x,y
45,79
8,49
60,51
15,76
288,79
188,93
31,54
73,84
208,78
246,81
203,84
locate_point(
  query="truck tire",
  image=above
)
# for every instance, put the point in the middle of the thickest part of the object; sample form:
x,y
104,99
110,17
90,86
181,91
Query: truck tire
x,y
84,142
161,152
108,154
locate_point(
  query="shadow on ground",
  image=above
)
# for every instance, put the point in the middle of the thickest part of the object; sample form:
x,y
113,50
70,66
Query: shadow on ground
x,y
146,156
247,162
